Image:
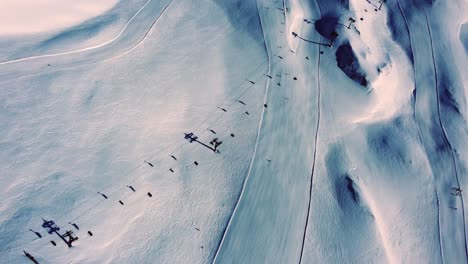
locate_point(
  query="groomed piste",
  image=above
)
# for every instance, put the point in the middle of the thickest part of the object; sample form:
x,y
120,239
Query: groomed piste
x,y
234,131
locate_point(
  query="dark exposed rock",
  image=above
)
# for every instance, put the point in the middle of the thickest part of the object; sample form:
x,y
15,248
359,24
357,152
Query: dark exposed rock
x,y
348,63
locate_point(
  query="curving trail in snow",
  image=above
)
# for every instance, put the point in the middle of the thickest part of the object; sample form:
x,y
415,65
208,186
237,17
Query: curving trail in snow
x,y
435,140
276,194
446,50
348,145
132,34
83,49
241,194
436,191
69,133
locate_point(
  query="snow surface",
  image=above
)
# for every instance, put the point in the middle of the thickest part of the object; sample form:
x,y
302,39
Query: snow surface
x,y
19,17
319,168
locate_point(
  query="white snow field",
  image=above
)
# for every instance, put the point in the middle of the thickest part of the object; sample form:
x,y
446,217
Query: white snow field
x,y
343,126
20,17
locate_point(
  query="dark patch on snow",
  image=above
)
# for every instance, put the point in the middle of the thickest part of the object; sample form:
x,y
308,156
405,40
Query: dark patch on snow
x,y
89,99
9,227
352,190
243,15
348,63
439,140
450,88
344,3
346,192
429,2
326,26
384,144
77,33
464,36
399,30
388,144
336,160
344,189
334,6
447,99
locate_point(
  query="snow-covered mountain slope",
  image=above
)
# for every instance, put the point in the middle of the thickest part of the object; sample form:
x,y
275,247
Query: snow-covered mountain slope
x,y
24,17
343,129
88,137
94,31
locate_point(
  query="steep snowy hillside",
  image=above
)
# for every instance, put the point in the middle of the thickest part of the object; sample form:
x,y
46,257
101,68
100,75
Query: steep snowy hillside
x,y
343,130
44,35
24,17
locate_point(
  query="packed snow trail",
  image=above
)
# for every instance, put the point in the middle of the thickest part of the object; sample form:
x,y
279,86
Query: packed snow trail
x,y
131,35
451,93
83,49
410,54
435,141
272,210
317,127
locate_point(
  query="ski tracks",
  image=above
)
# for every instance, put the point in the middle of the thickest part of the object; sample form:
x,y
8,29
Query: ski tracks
x,y
84,49
419,130
315,152
442,127
128,50
255,148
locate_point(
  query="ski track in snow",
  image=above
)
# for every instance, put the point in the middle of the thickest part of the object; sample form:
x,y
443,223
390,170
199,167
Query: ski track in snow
x,y
146,33
128,50
443,128
237,219
83,49
315,148
442,132
210,117
257,193
223,235
436,191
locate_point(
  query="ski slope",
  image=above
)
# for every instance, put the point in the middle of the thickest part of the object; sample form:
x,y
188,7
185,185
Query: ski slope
x,y
23,17
343,129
